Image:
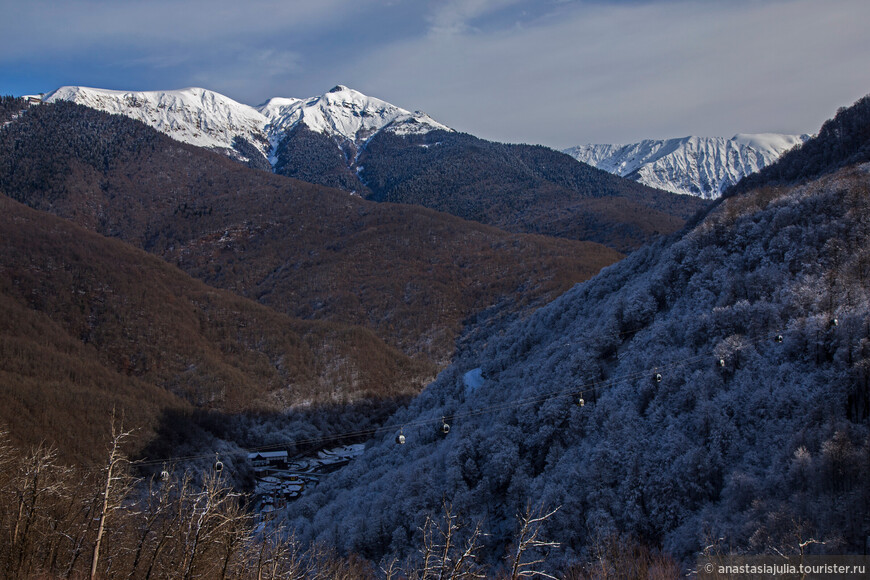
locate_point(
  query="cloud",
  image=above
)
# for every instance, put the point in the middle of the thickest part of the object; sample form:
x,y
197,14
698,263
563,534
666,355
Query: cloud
x,y
625,71
39,25
557,72
232,75
233,46
455,16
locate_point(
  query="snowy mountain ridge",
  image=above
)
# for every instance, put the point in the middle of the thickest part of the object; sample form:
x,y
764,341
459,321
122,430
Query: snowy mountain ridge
x,y
344,113
208,119
700,166
193,115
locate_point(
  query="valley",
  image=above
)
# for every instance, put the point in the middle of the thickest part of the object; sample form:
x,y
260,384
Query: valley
x,y
470,337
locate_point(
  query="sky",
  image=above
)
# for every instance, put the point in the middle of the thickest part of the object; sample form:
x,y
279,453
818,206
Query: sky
x,y
554,72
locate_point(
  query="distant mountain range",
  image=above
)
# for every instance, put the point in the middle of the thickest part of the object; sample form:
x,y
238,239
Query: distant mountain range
x,y
323,139
357,299
366,146
252,134
700,166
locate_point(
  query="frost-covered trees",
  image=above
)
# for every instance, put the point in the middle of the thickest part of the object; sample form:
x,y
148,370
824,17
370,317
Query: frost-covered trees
x,y
745,436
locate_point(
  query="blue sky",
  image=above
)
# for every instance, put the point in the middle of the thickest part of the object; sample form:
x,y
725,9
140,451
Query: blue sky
x,y
556,72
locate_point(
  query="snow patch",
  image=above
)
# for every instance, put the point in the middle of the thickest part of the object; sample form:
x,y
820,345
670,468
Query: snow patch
x,y
473,380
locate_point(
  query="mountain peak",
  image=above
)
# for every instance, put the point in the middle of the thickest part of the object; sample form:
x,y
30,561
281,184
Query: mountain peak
x,y
346,114
209,119
700,166
194,115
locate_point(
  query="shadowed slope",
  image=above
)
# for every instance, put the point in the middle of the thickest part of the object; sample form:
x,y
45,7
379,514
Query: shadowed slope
x,y
90,323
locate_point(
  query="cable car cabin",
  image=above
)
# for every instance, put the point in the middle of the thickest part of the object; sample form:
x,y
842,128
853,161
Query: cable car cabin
x,y
400,439
445,427
218,467
164,475
778,338
580,401
657,377
721,363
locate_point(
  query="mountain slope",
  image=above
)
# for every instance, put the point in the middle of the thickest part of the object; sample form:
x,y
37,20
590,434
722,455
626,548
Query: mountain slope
x,y
700,166
345,114
411,274
520,188
726,387
197,116
843,140
319,139
364,145
90,323
251,134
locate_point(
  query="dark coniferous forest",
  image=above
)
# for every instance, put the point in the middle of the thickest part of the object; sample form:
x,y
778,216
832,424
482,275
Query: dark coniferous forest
x,y
708,393
520,188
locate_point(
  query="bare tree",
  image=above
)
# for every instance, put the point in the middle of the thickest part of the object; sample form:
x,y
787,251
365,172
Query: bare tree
x,y
36,481
278,554
624,557
444,556
114,476
526,554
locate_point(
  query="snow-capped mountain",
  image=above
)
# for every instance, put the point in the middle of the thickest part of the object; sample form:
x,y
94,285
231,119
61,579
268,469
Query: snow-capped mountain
x,y
208,119
701,166
344,113
368,147
197,116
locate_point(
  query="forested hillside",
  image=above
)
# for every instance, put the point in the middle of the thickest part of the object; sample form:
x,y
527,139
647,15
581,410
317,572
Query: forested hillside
x,y
410,274
725,383
520,188
10,107
90,323
317,158
843,140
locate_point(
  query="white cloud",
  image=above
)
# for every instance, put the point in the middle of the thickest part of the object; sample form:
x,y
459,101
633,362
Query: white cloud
x,y
42,25
552,72
623,72
451,17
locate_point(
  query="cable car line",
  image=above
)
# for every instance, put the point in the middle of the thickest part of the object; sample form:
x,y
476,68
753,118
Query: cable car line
x,y
582,389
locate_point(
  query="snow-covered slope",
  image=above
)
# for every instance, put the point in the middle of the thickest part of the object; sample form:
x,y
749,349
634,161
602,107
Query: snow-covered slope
x,y
702,166
723,375
197,116
344,113
208,119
